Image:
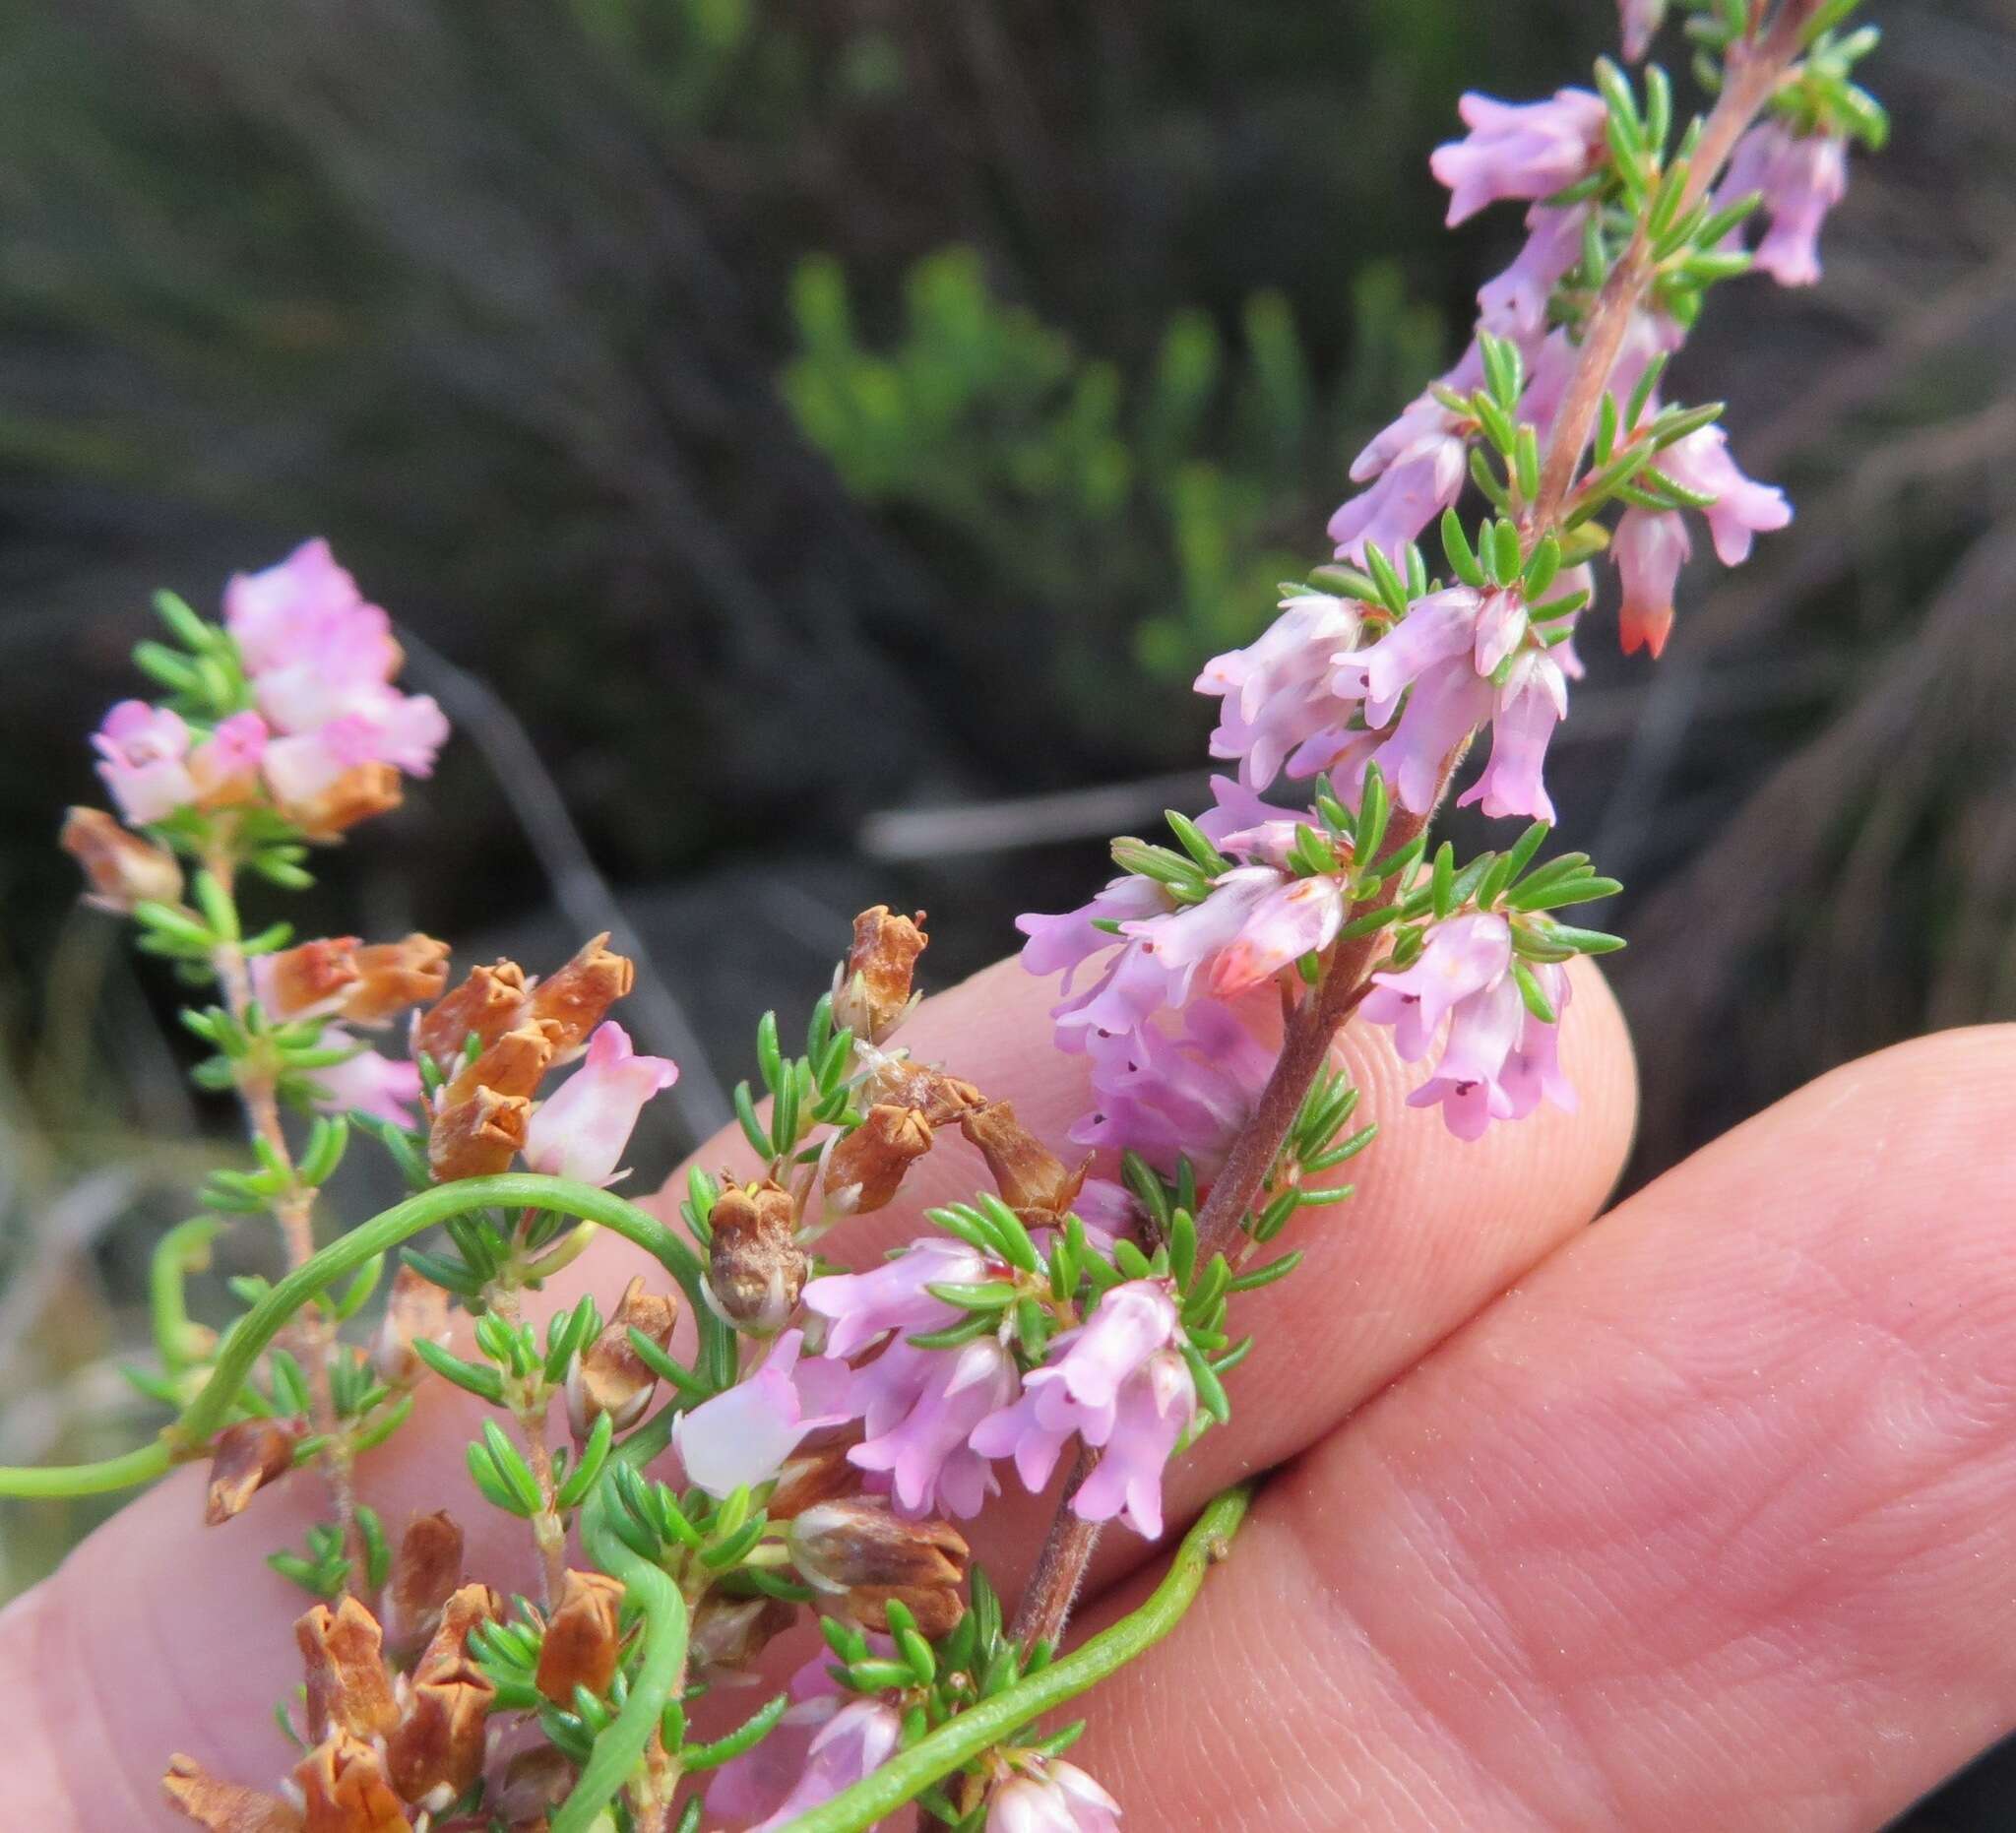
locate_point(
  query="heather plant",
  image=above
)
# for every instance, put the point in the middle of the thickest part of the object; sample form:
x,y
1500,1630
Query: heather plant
x,y
763,1433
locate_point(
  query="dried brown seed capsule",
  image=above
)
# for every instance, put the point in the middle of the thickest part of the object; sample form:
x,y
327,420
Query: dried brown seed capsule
x,y
871,987
512,1064
224,1806
823,1474
361,791
244,1459
345,1789
446,1656
867,1166
342,1652
486,1002
582,1640
896,1080
609,1376
416,1312
573,1001
755,1268
436,1750
1032,1180
425,1571
860,1552
480,1137
393,975
121,869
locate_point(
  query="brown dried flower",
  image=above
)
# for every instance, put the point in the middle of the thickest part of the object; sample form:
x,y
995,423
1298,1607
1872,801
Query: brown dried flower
x,y
361,791
822,1475
534,1780
310,978
512,1063
573,1001
730,1632
609,1376
244,1459
871,988
425,1571
486,1002
867,1166
393,975
436,1750
755,1268
478,1138
121,869
342,1652
582,1640
446,1656
860,1552
415,1312
225,1807
345,1789
896,1079
1032,1180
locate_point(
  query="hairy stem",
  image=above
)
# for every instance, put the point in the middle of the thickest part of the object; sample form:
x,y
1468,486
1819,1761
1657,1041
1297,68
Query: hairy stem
x,y
958,1742
1052,1589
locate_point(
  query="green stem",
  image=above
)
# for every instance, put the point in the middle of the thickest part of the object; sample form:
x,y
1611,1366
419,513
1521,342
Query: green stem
x,y
958,1742
190,1434
119,1473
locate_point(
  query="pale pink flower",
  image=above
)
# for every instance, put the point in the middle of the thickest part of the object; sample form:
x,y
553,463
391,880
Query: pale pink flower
x,y
1149,1417
1648,550
1233,805
1276,690
225,767
754,1786
854,1744
275,613
1063,943
1296,917
1743,508
1514,304
1057,1797
1464,956
579,1130
743,1435
1531,701
1468,1082
143,754
1532,1068
1639,21
1415,471
918,1407
863,1307
1513,150
1801,177
1174,1094
383,1087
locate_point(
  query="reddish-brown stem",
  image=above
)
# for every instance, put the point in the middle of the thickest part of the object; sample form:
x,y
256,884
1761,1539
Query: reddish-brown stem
x,y
310,1334
1755,69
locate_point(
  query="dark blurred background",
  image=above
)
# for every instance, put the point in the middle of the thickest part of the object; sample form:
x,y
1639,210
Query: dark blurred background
x,y
828,435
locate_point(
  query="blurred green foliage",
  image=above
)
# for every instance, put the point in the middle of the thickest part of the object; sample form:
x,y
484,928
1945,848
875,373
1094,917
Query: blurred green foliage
x,y
1180,499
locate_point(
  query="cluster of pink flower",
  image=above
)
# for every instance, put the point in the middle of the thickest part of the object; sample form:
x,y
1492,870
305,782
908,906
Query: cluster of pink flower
x,y
935,1420
320,662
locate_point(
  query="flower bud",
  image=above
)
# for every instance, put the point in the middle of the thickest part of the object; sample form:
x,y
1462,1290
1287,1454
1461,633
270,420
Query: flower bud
x,y
479,1138
573,1001
871,991
486,1002
1032,1180
345,1789
582,1640
609,1376
311,978
425,1571
729,1633
361,791
224,1806
244,1459
755,1268
343,1651
867,1166
121,869
513,1064
393,975
868,1557
416,1312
